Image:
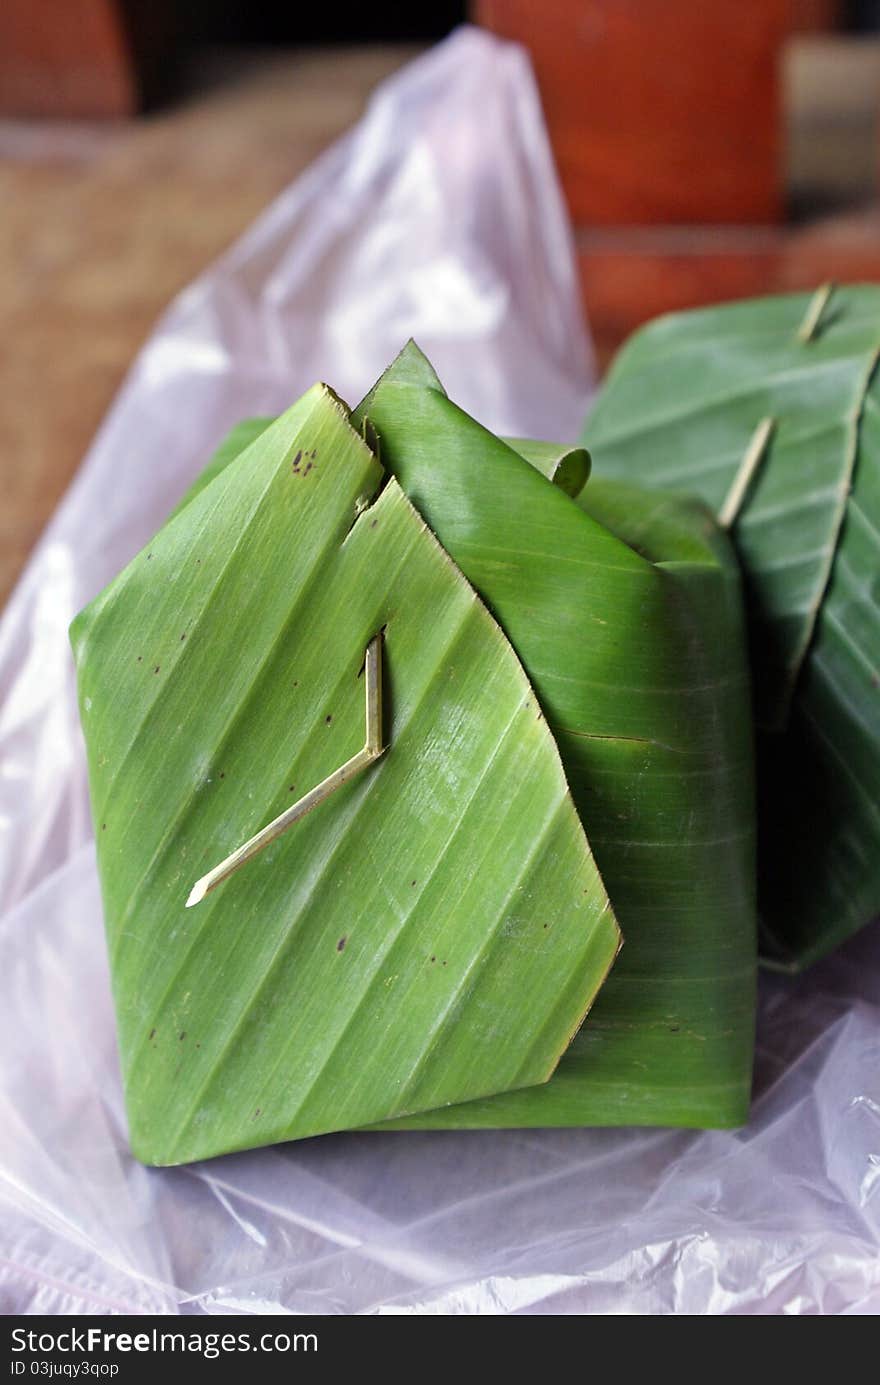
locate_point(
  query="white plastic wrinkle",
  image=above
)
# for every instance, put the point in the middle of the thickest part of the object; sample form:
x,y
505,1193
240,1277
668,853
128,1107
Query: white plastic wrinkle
x,y
439,216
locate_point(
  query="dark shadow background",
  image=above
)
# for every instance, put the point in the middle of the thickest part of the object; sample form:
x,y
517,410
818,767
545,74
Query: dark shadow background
x,y
239,22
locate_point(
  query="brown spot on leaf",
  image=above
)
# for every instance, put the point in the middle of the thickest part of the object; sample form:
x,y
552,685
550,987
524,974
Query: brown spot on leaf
x,y
257,1113
223,774
340,946
182,1035
156,669
103,827
152,1033
328,719
291,788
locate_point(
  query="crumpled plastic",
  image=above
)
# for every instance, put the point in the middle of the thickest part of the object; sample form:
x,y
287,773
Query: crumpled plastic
x,y
439,216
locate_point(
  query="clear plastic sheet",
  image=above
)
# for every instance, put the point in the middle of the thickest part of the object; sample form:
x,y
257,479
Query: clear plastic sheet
x,y
439,216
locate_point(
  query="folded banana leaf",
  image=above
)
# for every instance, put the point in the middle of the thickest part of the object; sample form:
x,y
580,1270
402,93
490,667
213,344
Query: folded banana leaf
x,y
435,930
630,625
681,404
626,611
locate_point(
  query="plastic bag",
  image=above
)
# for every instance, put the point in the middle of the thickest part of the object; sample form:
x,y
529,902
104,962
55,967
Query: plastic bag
x,y
439,216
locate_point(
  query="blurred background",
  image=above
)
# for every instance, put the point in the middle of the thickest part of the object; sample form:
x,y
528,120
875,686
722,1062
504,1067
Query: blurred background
x,y
706,151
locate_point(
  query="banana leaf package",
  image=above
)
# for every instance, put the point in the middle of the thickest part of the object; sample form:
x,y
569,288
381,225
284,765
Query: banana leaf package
x,y
472,257
565,748
684,405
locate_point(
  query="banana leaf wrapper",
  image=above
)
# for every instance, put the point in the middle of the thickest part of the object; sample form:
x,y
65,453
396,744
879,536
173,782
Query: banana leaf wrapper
x,y
437,929
626,610
679,407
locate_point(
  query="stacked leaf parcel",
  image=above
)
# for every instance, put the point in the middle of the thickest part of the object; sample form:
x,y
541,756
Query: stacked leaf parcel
x,y
564,751
790,385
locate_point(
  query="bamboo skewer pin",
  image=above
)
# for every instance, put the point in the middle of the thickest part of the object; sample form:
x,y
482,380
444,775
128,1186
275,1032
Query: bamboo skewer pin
x,y
752,459
813,316
371,751
756,450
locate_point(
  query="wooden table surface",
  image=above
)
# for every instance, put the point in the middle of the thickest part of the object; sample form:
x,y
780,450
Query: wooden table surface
x,y
102,224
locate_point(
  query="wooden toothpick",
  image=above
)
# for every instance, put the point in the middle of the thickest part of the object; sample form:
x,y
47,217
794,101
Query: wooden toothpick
x,y
813,316
372,749
752,458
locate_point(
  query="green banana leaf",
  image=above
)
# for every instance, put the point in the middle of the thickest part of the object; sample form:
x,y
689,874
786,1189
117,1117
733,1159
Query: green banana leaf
x,y
668,1041
567,467
434,931
678,410
626,612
